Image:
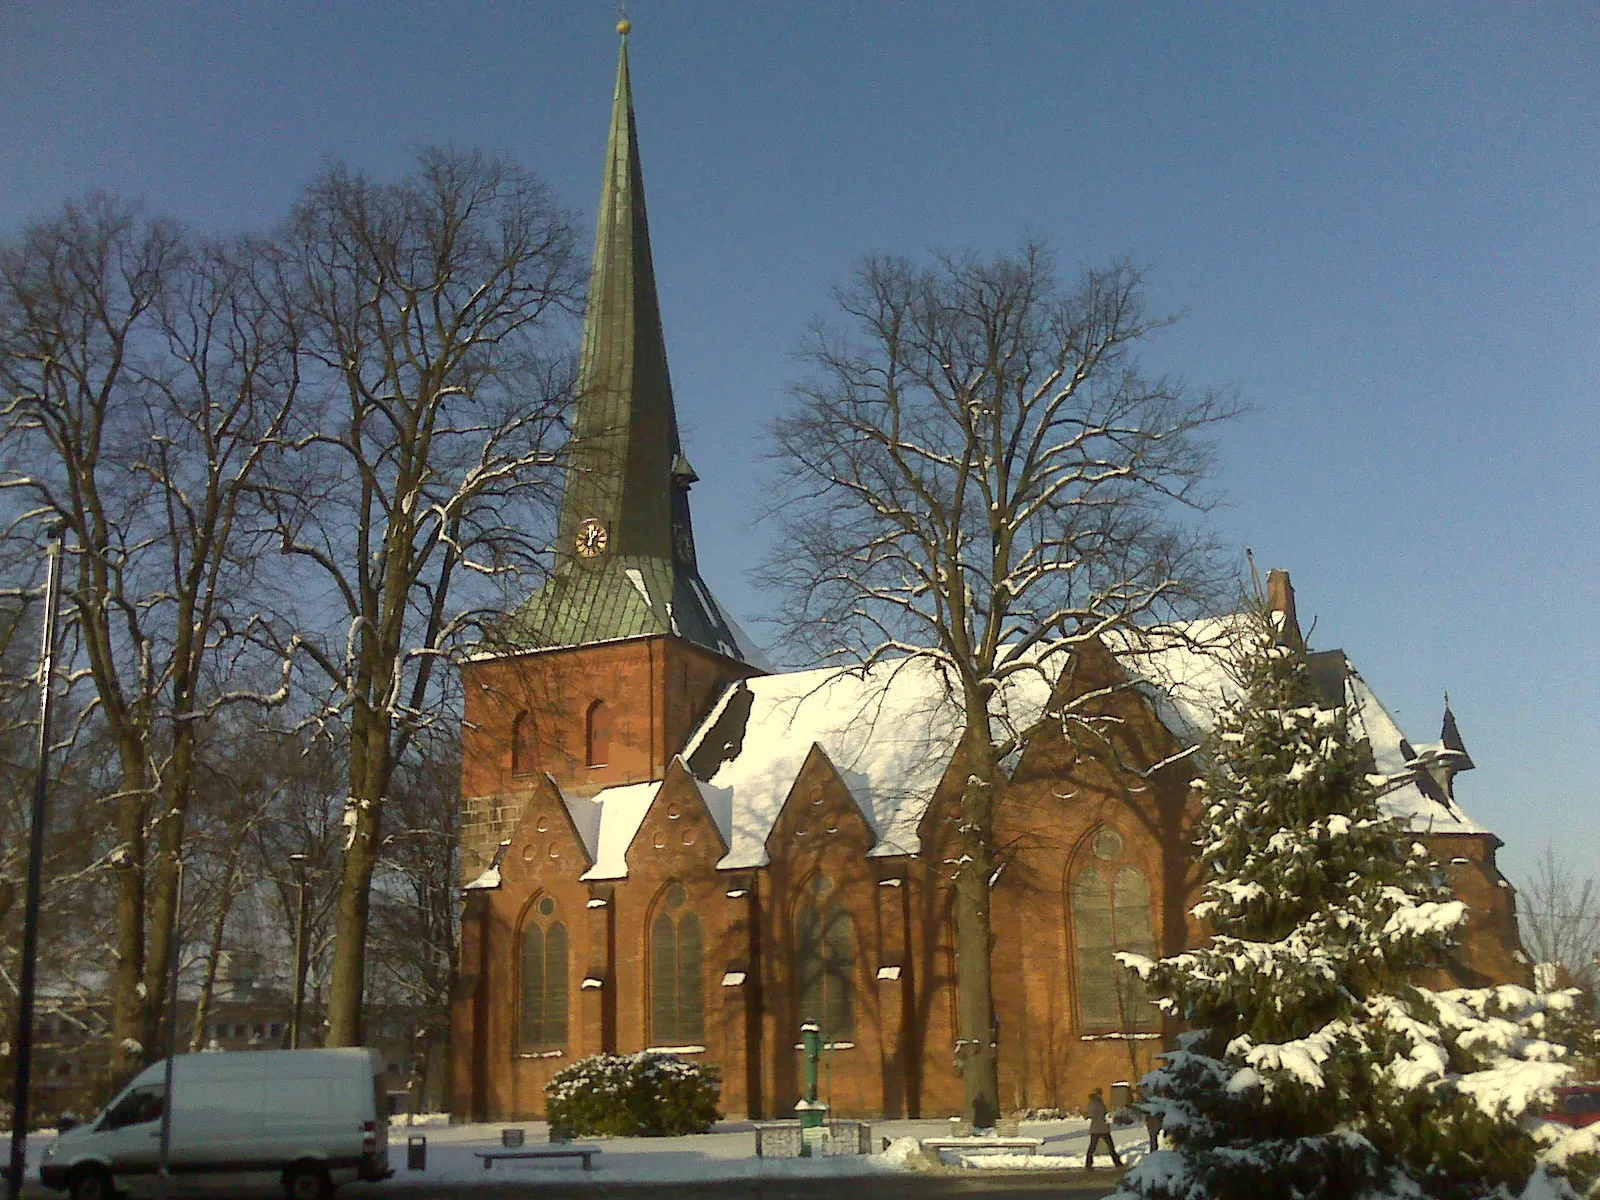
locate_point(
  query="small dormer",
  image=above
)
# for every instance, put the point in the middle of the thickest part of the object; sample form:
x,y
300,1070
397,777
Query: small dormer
x,y
1443,760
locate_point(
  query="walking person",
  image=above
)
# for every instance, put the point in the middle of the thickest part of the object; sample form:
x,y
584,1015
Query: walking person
x,y
1153,1117
1099,1127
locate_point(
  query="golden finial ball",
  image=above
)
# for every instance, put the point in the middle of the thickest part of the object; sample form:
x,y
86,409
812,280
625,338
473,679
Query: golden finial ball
x,y
624,27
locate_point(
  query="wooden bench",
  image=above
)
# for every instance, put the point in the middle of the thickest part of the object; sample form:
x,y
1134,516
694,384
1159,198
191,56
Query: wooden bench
x,y
936,1144
586,1153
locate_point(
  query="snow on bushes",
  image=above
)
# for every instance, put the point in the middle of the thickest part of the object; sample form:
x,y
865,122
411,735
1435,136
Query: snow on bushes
x,y
650,1094
1315,1065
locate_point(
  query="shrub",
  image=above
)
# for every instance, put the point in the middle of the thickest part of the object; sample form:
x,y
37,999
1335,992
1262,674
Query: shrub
x,y
634,1095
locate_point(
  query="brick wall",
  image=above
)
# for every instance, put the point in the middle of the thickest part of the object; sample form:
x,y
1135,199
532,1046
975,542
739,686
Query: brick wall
x,y
899,1060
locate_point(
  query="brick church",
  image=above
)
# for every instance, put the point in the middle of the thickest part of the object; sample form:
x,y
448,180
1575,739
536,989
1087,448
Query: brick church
x,y
671,845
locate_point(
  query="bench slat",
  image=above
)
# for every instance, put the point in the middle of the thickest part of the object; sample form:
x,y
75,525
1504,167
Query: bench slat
x,y
1018,1143
490,1156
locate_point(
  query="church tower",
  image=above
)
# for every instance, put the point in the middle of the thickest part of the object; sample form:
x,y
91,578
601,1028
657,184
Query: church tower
x,y
598,678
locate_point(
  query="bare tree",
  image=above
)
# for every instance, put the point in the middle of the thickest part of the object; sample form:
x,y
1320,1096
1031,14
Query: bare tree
x,y
145,374
436,349
976,473
416,905
305,818
1559,914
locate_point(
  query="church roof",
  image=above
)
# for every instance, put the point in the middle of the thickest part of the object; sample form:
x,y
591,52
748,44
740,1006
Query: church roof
x,y
890,733
626,564
1189,677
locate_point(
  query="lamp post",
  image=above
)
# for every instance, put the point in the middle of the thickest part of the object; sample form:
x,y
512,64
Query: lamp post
x,y
30,919
299,861
164,1158
811,1110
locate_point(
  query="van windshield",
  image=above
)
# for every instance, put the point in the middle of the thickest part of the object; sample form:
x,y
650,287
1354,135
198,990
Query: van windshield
x,y
135,1107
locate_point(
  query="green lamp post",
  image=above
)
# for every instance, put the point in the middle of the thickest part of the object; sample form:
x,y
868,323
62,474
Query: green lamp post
x,y
812,1111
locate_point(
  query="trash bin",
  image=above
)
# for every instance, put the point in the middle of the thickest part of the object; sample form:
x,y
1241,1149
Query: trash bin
x,y
511,1138
1121,1094
416,1153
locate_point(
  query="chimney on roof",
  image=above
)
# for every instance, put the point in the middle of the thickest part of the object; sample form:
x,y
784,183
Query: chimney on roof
x,y
1280,602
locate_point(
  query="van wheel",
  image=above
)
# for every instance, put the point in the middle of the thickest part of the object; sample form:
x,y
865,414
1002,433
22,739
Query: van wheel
x,y
90,1183
306,1181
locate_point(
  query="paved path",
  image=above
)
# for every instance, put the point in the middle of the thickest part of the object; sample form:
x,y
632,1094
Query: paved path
x,y
1034,1185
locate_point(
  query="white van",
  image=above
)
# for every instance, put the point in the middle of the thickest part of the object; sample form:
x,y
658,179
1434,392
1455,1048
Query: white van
x,y
310,1118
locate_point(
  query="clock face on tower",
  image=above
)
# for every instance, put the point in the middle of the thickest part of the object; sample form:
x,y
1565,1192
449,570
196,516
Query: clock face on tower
x,y
591,539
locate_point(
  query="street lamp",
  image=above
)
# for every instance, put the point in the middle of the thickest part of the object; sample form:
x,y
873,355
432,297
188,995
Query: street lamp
x,y
164,1154
30,919
299,861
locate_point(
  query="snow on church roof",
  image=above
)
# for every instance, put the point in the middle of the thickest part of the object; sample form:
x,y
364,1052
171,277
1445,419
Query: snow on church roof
x,y
607,823
1425,813
1187,668
890,733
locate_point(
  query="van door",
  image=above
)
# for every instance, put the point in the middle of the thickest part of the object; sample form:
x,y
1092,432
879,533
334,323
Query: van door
x,y
314,1107
216,1123
129,1135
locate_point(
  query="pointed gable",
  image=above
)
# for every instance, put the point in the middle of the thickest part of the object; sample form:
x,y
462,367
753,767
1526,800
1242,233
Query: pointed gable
x,y
547,844
678,826
819,812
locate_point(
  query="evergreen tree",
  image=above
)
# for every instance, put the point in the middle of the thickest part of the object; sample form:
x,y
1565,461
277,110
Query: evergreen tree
x,y
1315,1064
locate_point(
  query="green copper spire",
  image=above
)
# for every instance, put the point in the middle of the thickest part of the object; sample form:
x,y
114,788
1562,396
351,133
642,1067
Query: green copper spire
x,y
626,437
626,558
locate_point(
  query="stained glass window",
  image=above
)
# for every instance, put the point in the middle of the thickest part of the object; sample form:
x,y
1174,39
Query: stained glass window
x,y
544,986
825,962
1111,915
677,952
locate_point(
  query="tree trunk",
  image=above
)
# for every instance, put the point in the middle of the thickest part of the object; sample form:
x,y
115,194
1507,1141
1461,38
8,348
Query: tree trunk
x,y
977,1054
162,933
202,1007
131,1041
370,768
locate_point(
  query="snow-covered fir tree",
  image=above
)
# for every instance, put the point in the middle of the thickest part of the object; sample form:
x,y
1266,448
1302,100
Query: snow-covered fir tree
x,y
1315,1064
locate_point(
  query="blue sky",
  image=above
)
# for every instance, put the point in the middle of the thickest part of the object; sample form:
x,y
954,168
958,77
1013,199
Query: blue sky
x,y
1382,221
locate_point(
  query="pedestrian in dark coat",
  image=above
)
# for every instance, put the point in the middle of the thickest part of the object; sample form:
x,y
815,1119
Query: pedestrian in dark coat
x,y
1153,1117
1099,1127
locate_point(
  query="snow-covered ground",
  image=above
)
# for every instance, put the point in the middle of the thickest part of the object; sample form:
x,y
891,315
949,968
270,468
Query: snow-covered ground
x,y
728,1152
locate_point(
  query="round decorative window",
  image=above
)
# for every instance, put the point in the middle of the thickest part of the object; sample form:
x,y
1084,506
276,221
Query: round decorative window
x,y
673,814
529,853
688,837
817,800
555,850
1106,844
660,841
542,824
833,829
801,830
676,895
547,906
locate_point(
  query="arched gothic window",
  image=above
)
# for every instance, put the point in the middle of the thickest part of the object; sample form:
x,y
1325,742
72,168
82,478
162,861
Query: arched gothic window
x,y
1111,913
825,962
543,1022
598,734
677,957
522,745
